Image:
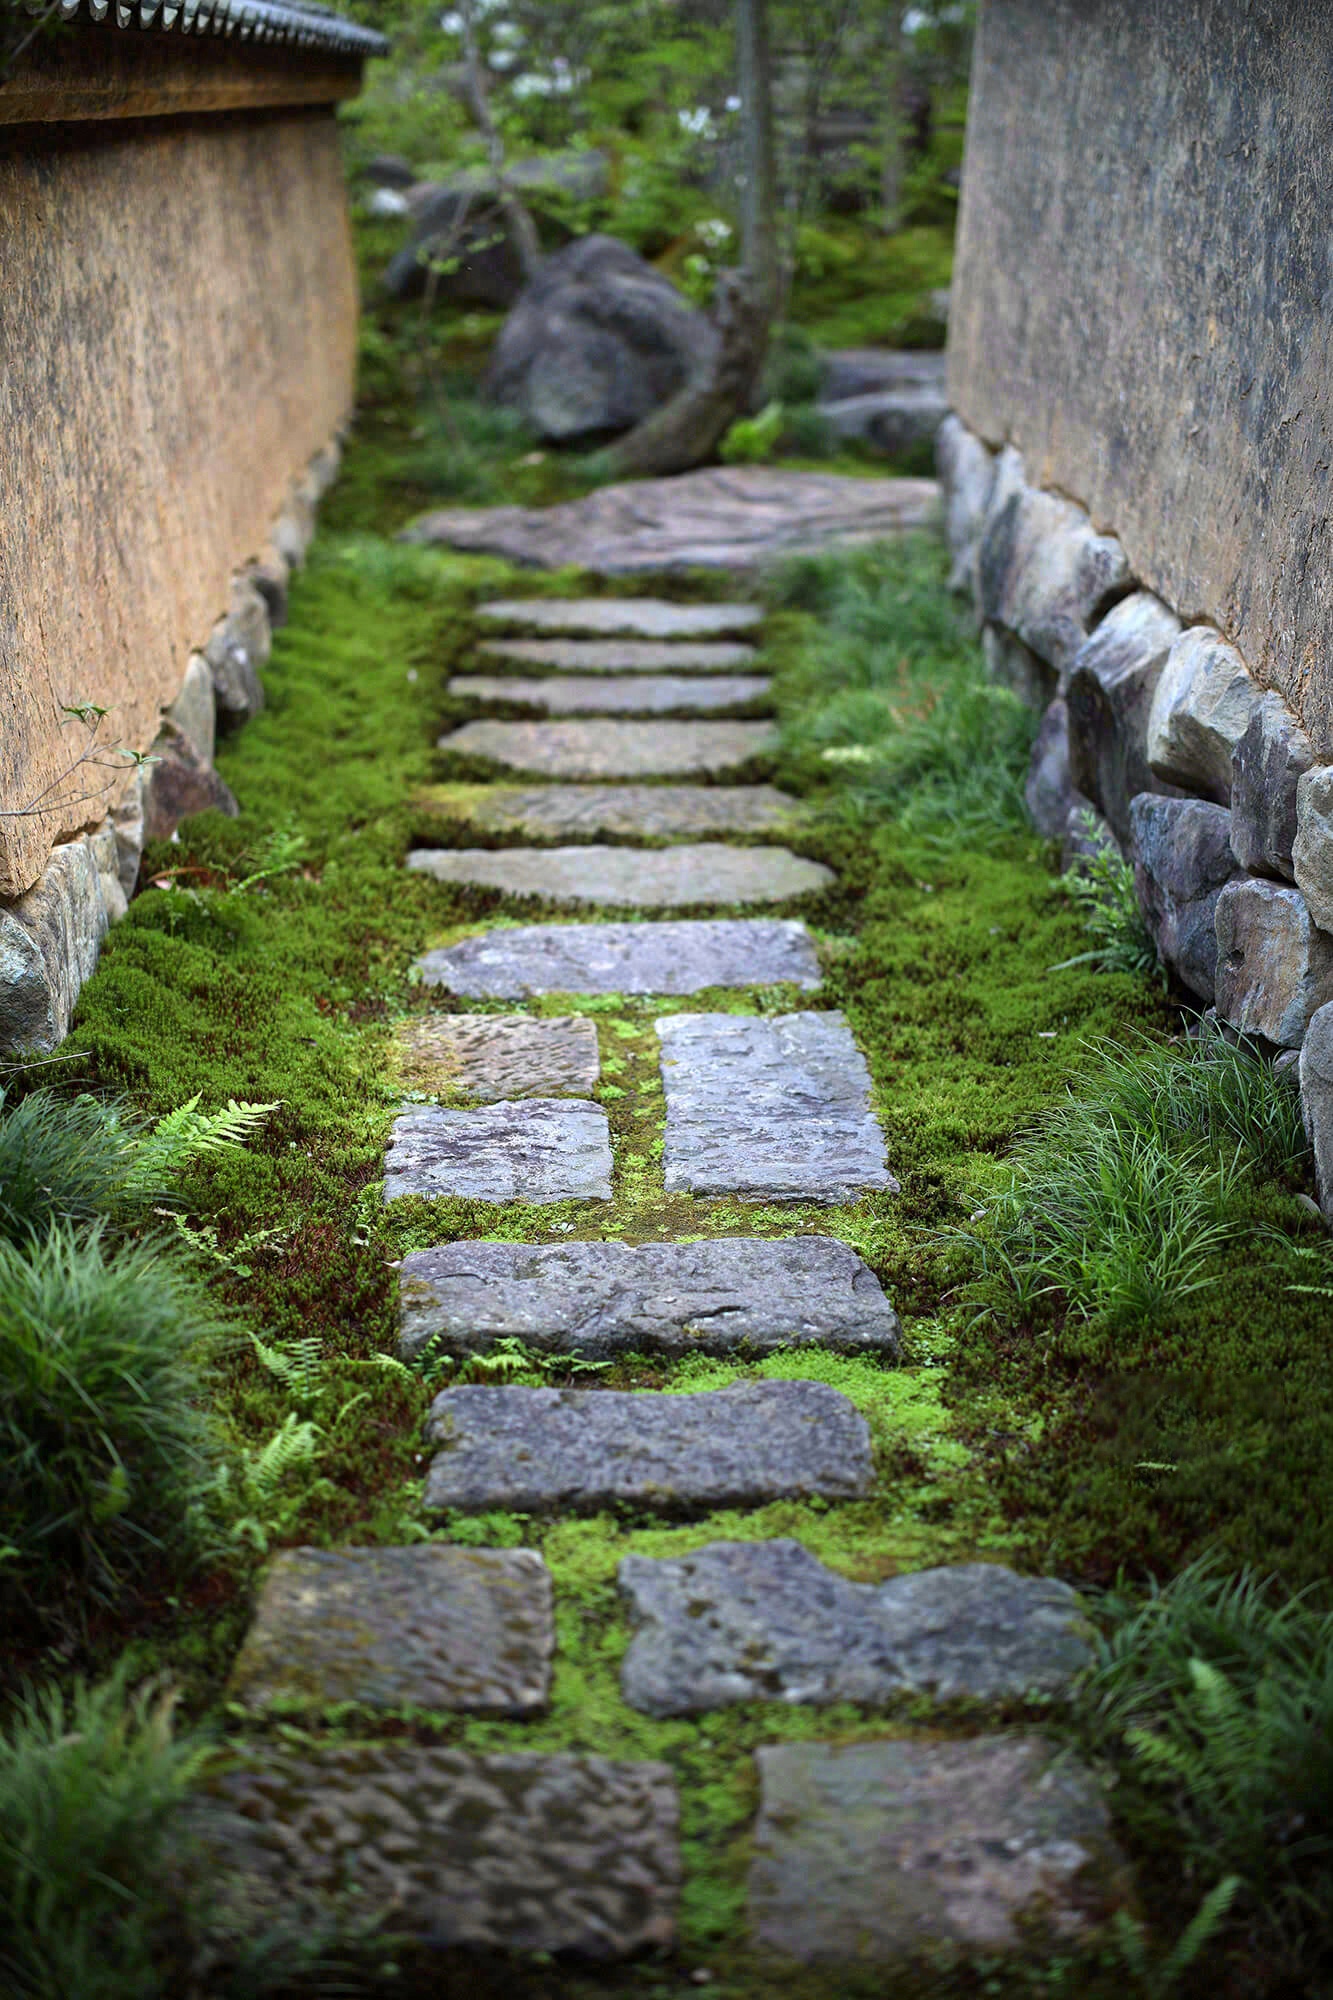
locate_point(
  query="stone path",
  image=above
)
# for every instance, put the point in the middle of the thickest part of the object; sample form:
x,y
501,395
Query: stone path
x,y
879,1850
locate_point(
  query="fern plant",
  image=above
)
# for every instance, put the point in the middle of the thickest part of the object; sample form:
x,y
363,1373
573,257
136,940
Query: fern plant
x,y
261,1495
1102,886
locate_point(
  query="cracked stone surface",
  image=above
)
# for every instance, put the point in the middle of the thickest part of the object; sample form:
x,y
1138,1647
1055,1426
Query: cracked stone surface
x,y
492,1057
536,1450
421,1627
726,1296
609,694
597,749
651,878
775,1107
647,812
766,1621
624,656
544,1149
670,957
518,1853
882,1852
642,617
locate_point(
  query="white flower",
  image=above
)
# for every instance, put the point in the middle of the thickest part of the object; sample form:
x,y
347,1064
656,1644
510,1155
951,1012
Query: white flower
x,y
715,232
733,104
699,122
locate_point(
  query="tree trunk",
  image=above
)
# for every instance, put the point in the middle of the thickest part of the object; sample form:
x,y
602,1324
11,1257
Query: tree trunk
x,y
521,225
687,431
759,198
891,158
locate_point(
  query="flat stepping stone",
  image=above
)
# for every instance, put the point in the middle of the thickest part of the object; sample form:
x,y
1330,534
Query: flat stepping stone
x,y
546,1149
625,656
516,1853
493,1057
612,694
886,1852
536,1450
597,749
733,518
422,1627
668,958
776,1108
731,1295
766,1621
644,617
646,812
649,878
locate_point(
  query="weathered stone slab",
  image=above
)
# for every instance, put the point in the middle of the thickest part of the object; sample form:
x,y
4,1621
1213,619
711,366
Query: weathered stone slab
x,y
1182,861
535,1450
730,1295
546,1149
1043,571
679,957
1274,968
650,878
766,1621
1112,678
642,617
652,812
1316,1078
1312,849
625,656
420,1627
613,694
733,517
515,1853
883,1852
614,749
1269,762
492,1057
1201,709
775,1107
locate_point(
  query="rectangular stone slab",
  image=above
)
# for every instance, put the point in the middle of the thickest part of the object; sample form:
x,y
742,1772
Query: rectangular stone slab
x,y
543,1149
775,1107
535,1450
493,1057
624,656
647,878
679,957
644,617
645,812
515,1853
731,1295
611,694
597,749
419,1627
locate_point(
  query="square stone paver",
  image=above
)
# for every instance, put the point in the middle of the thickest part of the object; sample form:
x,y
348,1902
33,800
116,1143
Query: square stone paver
x,y
491,1057
644,617
544,1149
671,957
660,878
624,656
597,749
420,1627
644,812
612,694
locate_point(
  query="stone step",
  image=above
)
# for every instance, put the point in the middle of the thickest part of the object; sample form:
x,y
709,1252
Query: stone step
x,y
597,749
898,1852
646,812
421,1627
647,878
668,958
776,1107
612,694
726,1296
644,617
515,1853
766,1621
625,656
536,1450
544,1149
495,1057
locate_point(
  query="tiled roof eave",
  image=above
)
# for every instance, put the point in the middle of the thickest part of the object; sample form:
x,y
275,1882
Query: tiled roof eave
x,y
295,23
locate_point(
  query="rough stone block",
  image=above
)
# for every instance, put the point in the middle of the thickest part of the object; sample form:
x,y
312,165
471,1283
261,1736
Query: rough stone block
x,y
1011,664
49,942
536,1450
625,656
1312,849
596,749
179,784
1200,711
884,1852
271,577
775,1107
675,958
966,472
237,650
1045,575
420,1627
640,617
194,710
1316,1075
654,878
545,1149
127,820
294,529
728,1295
1182,861
515,1853
615,694
1049,791
644,812
1271,758
1274,968
766,1621
1112,679
495,1057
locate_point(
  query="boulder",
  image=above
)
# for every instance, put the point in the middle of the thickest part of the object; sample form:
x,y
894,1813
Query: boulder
x,y
1049,791
389,170
1316,1073
1011,664
1044,573
1270,760
598,341
1200,712
461,223
1111,683
179,783
1182,863
1274,968
49,941
237,648
892,421
1312,849
126,821
194,710
966,473
866,371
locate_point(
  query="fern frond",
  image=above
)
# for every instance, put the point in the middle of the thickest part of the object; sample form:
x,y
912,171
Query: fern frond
x,y
186,1133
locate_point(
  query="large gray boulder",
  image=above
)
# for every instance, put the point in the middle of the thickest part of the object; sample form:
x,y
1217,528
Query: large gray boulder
x,y
1200,711
1274,968
1182,863
1111,685
460,225
597,342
